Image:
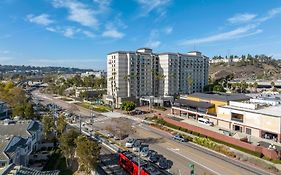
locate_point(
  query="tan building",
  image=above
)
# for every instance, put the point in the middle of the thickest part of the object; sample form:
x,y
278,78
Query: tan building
x,y
258,117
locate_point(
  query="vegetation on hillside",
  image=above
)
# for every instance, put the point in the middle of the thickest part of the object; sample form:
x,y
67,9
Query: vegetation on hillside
x,y
248,67
59,86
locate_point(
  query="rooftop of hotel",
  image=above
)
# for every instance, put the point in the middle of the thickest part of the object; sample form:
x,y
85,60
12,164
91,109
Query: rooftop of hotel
x,y
149,51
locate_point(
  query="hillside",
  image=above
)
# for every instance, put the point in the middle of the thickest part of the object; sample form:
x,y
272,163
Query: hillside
x,y
269,70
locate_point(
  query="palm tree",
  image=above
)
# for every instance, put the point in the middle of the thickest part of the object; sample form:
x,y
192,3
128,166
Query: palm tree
x,y
272,84
255,86
190,83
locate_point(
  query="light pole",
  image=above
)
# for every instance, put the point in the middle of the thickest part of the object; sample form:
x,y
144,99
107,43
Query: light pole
x,y
139,165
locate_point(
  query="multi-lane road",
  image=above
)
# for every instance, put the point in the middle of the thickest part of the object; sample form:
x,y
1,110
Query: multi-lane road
x,y
206,161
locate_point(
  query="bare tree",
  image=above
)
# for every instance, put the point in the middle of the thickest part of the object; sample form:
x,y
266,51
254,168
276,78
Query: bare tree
x,y
120,127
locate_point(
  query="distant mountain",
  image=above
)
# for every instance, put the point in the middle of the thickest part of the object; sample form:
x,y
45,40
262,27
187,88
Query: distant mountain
x,y
247,67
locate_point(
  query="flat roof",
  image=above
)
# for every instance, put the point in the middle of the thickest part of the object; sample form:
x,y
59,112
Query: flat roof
x,y
273,111
194,104
221,96
163,53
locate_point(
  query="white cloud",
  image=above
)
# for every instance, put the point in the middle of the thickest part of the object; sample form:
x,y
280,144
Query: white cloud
x,y
88,34
241,18
68,32
153,5
168,30
113,33
78,12
43,19
153,44
272,13
153,41
233,34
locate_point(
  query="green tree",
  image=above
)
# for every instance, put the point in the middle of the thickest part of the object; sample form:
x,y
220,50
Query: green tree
x,y
28,111
48,125
88,152
61,124
68,145
128,106
218,88
9,85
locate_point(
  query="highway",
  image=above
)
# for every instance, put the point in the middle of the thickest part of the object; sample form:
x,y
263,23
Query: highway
x,y
206,162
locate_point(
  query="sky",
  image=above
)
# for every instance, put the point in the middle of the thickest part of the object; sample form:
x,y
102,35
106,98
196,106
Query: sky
x,y
80,33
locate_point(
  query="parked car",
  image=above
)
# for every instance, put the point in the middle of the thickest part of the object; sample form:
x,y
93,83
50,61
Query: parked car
x,y
129,143
144,151
109,135
136,145
205,122
163,163
116,137
179,138
153,156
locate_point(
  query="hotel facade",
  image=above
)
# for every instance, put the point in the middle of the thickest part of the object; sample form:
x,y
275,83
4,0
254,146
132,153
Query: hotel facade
x,y
142,73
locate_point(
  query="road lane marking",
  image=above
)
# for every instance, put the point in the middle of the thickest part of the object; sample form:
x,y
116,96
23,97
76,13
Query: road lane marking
x,y
195,162
175,149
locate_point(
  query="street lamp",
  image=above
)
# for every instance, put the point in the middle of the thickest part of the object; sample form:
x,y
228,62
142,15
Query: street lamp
x,y
139,164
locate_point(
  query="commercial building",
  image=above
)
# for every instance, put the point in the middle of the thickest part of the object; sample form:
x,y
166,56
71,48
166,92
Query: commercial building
x,y
142,73
18,139
259,117
217,99
205,105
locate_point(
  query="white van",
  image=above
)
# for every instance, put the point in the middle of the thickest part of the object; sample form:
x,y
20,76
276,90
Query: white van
x,y
205,121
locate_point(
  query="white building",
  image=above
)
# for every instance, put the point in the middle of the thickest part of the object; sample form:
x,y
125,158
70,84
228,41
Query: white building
x,y
97,74
225,60
134,74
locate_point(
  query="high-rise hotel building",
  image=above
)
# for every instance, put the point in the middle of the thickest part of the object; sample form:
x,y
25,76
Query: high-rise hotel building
x,y
135,74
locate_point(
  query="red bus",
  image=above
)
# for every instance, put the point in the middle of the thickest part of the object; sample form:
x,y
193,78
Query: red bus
x,y
129,162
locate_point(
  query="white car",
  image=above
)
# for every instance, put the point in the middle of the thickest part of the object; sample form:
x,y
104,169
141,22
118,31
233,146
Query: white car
x,y
109,135
129,143
205,122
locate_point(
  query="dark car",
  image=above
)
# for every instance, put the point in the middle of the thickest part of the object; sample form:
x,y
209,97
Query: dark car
x,y
153,156
163,163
